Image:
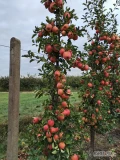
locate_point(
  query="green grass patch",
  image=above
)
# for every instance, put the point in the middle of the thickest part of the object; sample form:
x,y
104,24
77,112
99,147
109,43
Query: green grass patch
x,y
29,105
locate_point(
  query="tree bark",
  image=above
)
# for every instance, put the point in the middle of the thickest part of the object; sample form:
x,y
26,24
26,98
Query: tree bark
x,y
92,143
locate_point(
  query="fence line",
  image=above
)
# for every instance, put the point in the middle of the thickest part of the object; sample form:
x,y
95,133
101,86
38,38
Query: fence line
x,y
2,45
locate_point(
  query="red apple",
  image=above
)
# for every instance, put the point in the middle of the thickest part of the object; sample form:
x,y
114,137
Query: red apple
x,y
48,27
54,130
57,73
62,50
47,3
99,102
86,67
90,85
92,43
60,134
48,48
55,29
63,33
66,112
102,82
38,135
53,59
36,120
55,137
59,85
40,34
85,110
60,92
75,157
67,55
51,122
68,92
65,27
90,52
117,110
70,35
61,145
48,134
45,127
67,15
50,107
100,88
61,117
59,3
75,37
100,53
79,65
52,7
96,109
64,104
49,146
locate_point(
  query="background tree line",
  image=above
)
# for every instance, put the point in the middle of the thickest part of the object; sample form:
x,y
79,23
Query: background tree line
x,y
31,83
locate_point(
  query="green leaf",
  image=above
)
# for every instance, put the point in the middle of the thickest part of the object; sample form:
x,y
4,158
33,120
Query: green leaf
x,y
50,73
31,60
53,146
39,47
67,150
54,152
62,151
34,35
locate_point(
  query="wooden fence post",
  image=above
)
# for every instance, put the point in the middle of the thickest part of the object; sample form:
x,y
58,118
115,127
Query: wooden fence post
x,y
14,93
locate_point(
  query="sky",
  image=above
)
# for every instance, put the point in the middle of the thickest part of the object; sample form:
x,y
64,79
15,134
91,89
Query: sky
x,y
19,18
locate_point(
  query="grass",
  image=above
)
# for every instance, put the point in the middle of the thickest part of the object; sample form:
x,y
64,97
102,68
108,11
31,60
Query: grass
x,y
29,105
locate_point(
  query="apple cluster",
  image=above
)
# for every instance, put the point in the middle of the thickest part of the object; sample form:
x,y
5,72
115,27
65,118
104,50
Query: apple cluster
x,y
51,6
52,49
64,94
66,30
79,64
51,134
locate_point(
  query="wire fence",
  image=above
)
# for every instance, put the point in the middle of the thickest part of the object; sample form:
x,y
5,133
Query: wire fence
x,y
26,67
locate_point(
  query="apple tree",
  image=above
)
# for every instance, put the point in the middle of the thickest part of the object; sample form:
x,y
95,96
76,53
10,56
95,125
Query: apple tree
x,y
55,134
99,86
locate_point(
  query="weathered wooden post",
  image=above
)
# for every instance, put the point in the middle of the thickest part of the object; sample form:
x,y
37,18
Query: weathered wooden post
x,y
13,106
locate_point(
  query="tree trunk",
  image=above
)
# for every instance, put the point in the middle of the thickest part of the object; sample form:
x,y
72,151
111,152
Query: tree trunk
x,y
92,141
